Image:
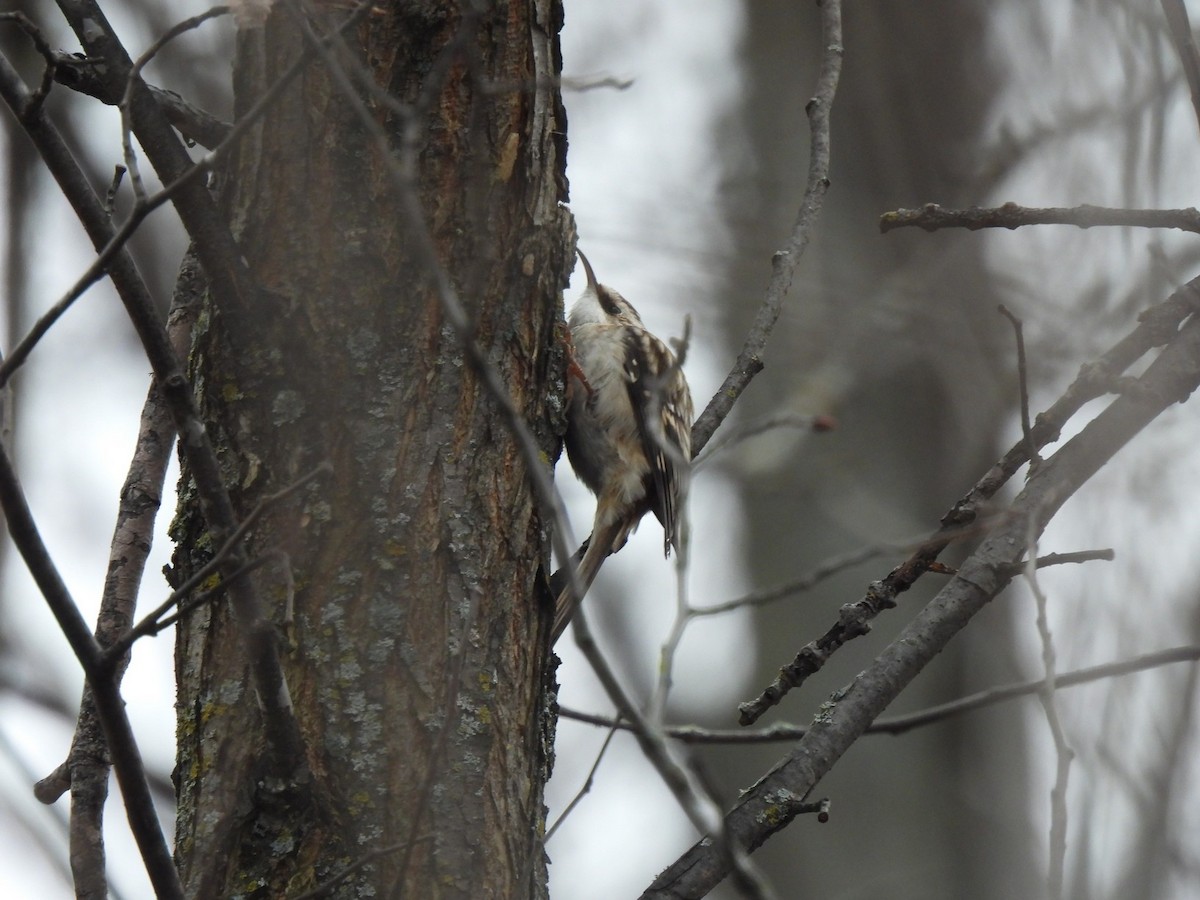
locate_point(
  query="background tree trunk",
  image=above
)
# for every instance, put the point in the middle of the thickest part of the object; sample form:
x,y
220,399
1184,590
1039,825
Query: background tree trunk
x,y
899,339
416,655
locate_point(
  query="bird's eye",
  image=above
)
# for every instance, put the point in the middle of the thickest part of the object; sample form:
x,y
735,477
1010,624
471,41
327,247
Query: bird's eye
x,y
611,305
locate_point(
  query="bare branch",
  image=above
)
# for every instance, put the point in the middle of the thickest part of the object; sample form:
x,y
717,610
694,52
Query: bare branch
x,y
110,244
158,621
1157,326
587,782
33,104
132,81
1169,379
126,759
816,423
195,124
932,217
805,582
680,780
222,260
1023,377
141,495
894,725
150,624
1062,751
749,362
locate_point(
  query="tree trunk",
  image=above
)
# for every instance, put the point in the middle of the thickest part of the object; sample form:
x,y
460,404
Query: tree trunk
x,y
416,653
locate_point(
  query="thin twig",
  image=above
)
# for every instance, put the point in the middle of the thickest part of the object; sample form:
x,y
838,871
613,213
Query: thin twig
x,y
1157,326
133,79
932,217
583,85
1023,376
326,887
1062,751
110,198
807,581
37,97
197,126
587,782
110,244
1171,377
158,621
150,623
657,388
126,759
738,434
1061,559
683,783
896,725
785,262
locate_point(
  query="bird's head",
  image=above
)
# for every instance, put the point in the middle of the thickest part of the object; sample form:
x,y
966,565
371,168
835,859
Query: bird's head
x,y
600,304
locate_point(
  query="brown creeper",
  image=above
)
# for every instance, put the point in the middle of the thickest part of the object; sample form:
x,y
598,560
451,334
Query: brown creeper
x,y
629,427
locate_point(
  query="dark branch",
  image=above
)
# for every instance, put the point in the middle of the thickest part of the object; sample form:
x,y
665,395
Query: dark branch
x,y
197,126
932,217
141,495
691,734
110,708
152,623
283,734
1023,378
1157,326
1170,378
219,254
37,97
133,81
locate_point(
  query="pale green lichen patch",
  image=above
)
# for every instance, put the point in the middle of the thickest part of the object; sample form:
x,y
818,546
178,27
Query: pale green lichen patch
x,y
287,406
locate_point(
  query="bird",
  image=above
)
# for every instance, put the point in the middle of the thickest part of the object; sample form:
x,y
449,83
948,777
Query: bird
x,y
629,428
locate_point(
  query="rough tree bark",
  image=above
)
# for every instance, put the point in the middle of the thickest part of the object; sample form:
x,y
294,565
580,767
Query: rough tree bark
x,y
416,653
